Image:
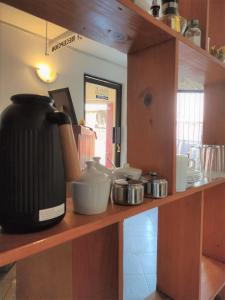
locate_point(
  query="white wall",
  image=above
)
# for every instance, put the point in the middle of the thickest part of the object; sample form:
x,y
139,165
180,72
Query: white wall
x,y
21,51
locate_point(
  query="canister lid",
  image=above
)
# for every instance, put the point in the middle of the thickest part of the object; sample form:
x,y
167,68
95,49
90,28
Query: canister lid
x,y
149,176
122,182
134,182
194,23
160,181
169,7
153,173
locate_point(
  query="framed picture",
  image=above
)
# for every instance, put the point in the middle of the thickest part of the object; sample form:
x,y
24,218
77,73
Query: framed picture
x,y
63,102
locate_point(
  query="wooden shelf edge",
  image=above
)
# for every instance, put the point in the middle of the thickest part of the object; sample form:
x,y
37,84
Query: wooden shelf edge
x,y
197,65
212,278
201,51
148,17
16,247
173,34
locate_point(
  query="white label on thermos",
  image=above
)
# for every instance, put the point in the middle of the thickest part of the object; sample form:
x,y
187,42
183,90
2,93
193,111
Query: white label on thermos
x,y
51,213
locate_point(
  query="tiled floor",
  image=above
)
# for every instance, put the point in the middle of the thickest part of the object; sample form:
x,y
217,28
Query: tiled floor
x,y
140,248
8,285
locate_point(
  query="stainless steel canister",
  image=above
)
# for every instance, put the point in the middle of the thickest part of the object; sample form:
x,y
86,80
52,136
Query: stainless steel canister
x,y
147,182
159,188
129,192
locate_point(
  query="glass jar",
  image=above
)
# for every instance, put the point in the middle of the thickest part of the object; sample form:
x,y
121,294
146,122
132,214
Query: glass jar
x,y
155,8
171,16
193,32
173,21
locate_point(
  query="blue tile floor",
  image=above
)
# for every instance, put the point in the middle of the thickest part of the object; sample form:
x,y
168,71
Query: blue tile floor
x,y
140,253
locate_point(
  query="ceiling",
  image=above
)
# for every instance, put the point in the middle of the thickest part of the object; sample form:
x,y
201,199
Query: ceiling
x,y
37,26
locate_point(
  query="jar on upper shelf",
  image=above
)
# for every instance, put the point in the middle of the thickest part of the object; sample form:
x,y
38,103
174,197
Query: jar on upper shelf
x,y
171,17
155,8
193,32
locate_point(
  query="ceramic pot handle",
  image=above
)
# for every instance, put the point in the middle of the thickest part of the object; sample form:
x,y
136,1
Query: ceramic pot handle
x,y
69,147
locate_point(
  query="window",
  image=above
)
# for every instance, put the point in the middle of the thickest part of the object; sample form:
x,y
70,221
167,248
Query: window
x,y
190,106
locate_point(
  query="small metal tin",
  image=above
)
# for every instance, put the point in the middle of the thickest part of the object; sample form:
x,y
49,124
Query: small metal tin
x,y
129,192
159,188
147,182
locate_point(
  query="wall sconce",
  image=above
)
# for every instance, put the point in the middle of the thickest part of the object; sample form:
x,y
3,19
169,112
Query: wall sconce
x,y
45,73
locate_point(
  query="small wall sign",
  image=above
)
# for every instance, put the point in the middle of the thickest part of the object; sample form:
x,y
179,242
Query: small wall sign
x,y
63,41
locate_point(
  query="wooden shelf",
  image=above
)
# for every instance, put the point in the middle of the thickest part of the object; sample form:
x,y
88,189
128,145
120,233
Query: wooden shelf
x,y
126,27
212,278
118,24
14,247
198,65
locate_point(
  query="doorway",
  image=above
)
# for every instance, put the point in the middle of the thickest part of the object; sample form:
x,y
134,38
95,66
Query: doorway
x,y
102,102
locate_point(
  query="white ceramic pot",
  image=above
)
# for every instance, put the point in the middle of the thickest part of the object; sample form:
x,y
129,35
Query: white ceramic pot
x,y
91,194
100,167
91,174
90,198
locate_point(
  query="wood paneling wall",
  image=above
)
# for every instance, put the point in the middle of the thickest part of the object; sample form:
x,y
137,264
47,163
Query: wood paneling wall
x,y
214,114
152,77
214,225
179,248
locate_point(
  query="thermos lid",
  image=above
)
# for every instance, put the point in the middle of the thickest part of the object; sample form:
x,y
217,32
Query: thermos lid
x,y
31,98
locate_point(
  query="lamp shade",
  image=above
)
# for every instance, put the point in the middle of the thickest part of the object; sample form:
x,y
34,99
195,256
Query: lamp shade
x,y
45,73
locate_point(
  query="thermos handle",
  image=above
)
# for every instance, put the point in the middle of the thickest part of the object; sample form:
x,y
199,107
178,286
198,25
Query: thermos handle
x,y
69,147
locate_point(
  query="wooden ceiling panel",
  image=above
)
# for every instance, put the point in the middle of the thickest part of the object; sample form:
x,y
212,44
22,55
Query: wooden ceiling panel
x,y
118,24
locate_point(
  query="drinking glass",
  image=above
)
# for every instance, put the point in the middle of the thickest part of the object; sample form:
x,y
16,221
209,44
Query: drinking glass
x,y
216,162
213,161
182,162
195,154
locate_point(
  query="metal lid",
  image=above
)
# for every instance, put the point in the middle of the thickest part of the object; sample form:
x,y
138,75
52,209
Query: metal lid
x,y
122,182
160,181
134,182
143,179
153,173
149,176
170,2
194,23
169,7
155,2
